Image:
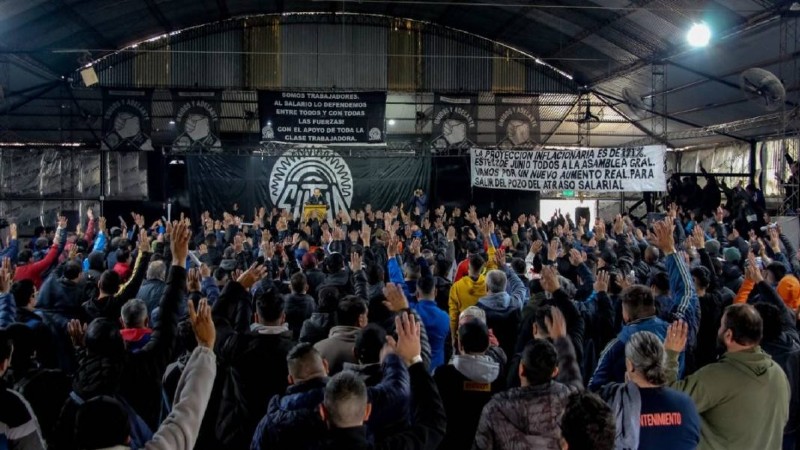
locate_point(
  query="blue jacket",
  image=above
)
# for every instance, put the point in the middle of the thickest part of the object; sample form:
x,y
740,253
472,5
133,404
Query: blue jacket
x,y
409,287
611,367
437,324
8,310
151,292
11,251
293,421
684,305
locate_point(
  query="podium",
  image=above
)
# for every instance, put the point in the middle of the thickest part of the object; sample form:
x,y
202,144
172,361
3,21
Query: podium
x,y
321,210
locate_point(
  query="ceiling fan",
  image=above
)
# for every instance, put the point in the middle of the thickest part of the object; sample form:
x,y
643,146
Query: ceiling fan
x,y
763,88
587,119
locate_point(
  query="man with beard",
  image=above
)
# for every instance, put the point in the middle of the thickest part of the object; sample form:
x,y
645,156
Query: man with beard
x,y
743,398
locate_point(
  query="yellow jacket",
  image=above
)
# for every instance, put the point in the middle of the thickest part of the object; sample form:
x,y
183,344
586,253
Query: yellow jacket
x,y
466,292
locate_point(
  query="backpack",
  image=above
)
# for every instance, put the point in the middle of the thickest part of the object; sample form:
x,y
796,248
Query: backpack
x,y
140,432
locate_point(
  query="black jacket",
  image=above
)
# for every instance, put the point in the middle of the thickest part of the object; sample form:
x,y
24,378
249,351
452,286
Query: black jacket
x,y
314,278
298,308
111,307
464,398
426,432
260,372
136,377
293,421
340,280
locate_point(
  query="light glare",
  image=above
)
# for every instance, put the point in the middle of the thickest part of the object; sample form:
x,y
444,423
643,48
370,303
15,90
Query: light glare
x,y
699,35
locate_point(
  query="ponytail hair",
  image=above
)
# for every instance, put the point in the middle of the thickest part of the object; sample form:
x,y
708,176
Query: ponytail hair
x,y
646,352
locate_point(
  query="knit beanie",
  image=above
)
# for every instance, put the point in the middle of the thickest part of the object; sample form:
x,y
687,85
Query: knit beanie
x,y
789,291
712,247
732,255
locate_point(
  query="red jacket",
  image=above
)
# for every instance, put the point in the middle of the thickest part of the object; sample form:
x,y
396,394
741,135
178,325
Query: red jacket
x,y
123,269
33,271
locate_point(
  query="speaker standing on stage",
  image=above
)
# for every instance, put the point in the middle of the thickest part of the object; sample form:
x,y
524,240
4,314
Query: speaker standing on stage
x,y
316,198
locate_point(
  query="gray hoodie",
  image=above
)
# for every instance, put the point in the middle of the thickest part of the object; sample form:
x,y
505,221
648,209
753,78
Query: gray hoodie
x,y
478,368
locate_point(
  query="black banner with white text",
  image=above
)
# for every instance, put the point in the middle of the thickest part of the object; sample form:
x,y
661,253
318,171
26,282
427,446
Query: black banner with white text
x,y
624,169
287,181
322,117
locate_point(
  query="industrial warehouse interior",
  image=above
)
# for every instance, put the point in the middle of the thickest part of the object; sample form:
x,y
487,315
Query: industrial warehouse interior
x,y
399,224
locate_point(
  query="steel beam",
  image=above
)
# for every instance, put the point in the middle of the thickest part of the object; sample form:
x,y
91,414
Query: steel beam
x,y
754,21
224,12
162,20
76,18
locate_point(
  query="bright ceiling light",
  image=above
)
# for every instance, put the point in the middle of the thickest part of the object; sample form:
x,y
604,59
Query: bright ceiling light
x,y
699,35
391,122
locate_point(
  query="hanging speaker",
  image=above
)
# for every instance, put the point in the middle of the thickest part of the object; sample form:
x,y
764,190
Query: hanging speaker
x,y
89,76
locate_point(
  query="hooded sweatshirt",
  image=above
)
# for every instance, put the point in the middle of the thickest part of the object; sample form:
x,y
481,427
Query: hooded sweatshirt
x,y
466,385
743,400
466,291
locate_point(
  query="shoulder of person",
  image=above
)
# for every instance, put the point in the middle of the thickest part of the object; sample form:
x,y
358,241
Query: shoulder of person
x,y
14,412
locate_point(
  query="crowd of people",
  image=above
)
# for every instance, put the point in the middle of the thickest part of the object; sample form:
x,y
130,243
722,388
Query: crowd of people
x,y
401,329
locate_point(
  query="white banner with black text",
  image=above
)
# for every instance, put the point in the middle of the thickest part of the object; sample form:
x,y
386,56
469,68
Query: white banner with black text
x,y
620,169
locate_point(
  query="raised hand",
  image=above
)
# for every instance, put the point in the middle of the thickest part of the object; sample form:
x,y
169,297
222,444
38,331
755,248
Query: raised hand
x,y
549,280
395,298
536,247
252,275
601,283
408,346
12,230
366,235
193,280
144,241
268,248
179,243
665,239
575,257
552,250
774,240
416,247
6,276
623,281
391,249
203,326
751,270
500,258
557,325
355,262
699,237
76,332
600,228
677,334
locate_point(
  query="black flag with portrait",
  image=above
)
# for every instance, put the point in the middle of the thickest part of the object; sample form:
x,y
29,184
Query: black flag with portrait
x,y
455,121
127,123
197,116
517,121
